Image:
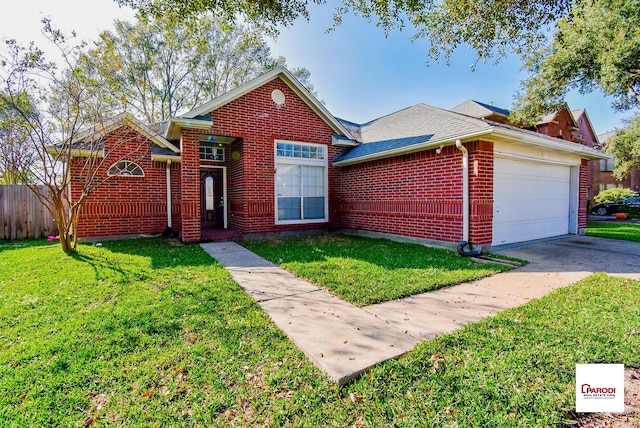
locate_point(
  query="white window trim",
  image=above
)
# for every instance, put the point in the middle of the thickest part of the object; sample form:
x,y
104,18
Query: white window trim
x,y
301,161
110,174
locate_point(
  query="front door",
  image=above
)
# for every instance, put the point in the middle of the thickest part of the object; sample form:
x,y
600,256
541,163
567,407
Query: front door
x,y
211,198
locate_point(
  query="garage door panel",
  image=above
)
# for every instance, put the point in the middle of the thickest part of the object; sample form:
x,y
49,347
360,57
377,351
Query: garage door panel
x,y
531,201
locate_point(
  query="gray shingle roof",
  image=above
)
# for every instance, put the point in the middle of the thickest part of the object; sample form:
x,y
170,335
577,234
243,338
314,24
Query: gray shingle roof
x,y
477,109
353,128
414,125
380,147
157,150
502,111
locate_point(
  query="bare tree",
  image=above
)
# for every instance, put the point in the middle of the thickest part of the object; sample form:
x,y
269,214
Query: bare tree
x,y
66,124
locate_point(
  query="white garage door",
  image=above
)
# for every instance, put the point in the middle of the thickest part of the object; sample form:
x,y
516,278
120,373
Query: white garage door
x,y
531,200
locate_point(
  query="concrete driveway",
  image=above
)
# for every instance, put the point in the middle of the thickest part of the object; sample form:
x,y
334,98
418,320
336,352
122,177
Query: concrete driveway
x,y
554,263
580,255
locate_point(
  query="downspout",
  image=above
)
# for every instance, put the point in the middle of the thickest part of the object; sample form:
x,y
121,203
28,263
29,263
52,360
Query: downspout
x,y
465,206
169,222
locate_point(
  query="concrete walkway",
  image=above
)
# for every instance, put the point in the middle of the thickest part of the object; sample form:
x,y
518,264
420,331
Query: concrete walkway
x,y
337,337
344,340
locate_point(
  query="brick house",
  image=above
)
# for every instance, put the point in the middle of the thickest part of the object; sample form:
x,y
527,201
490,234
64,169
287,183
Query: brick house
x,y
269,159
603,177
586,135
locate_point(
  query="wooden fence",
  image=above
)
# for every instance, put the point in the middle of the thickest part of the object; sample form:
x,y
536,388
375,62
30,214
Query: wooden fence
x,y
22,215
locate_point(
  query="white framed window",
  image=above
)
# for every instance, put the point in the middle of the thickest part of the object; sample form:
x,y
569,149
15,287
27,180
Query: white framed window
x,y
211,151
125,169
301,182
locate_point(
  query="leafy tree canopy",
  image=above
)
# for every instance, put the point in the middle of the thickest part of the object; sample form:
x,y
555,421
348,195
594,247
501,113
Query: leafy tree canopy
x,y
625,146
266,13
16,154
493,28
596,47
164,66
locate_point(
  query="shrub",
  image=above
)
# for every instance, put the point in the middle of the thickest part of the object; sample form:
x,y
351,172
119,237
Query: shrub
x,y
614,195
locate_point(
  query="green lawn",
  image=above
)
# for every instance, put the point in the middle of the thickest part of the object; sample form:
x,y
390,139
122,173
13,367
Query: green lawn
x,y
603,229
365,271
146,334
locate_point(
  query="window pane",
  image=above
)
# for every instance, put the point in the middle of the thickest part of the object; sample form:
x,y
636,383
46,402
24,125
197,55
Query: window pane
x,y
208,184
300,151
289,208
313,208
288,180
313,179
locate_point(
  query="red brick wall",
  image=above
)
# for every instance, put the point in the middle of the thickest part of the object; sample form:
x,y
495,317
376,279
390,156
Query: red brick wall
x,y
583,196
420,195
126,205
259,122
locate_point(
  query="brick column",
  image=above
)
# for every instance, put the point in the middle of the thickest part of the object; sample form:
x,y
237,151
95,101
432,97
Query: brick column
x,y
190,186
481,192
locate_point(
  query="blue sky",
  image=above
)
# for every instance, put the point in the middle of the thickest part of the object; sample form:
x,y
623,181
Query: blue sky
x,y
357,72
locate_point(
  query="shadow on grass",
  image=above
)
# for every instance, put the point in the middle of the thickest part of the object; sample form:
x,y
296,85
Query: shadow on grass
x,y
163,253
26,243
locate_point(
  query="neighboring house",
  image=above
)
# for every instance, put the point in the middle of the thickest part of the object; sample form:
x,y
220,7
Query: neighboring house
x,y
603,172
569,125
587,136
268,159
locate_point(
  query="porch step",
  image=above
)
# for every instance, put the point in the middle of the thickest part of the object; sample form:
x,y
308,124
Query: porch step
x,y
213,235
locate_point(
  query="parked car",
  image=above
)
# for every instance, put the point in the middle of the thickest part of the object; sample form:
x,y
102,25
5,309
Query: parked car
x,y
609,208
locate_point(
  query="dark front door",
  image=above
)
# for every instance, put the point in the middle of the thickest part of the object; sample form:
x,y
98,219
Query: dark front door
x,y
211,198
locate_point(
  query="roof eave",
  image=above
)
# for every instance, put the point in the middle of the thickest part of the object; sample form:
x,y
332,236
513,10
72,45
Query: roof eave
x,y
549,143
165,158
177,123
426,145
77,153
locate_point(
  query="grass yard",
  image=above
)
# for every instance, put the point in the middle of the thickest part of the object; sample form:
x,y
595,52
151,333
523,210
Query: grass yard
x,y
603,229
140,333
147,334
364,271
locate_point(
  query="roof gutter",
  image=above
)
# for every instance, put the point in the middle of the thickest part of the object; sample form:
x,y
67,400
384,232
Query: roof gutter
x,y
554,144
169,214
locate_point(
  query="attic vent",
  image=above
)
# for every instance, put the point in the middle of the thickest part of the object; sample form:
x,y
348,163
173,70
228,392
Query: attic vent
x,y
278,97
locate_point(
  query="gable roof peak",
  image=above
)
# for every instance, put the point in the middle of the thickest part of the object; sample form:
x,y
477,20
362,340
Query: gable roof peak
x,y
290,80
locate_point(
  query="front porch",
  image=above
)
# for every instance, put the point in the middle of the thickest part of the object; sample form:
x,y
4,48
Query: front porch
x,y
213,235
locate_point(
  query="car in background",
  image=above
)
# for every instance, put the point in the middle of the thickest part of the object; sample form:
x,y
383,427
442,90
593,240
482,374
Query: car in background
x,y
609,208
